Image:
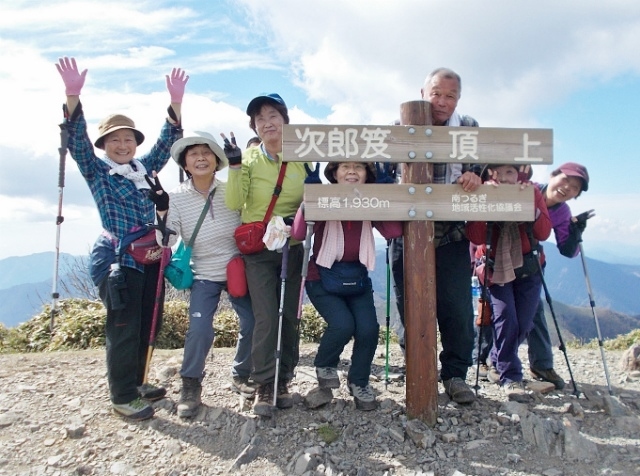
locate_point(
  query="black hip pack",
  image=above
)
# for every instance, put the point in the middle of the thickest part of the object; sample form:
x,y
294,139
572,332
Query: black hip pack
x,y
529,266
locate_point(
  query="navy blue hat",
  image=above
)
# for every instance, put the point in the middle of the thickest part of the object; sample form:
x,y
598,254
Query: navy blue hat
x,y
258,101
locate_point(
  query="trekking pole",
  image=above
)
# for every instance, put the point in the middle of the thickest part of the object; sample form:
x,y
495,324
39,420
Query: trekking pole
x,y
283,281
305,265
485,299
164,260
547,296
595,317
62,150
387,319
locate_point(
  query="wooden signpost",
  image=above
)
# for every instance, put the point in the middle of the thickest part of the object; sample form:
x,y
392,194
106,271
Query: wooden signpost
x,y
419,203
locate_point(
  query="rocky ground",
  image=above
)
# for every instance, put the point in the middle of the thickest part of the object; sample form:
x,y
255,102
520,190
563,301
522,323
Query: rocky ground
x,y
55,419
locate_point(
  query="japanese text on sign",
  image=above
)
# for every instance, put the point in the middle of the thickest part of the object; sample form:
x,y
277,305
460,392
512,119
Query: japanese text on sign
x,y
407,143
477,203
343,143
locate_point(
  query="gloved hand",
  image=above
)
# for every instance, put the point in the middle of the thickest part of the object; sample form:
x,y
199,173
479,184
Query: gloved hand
x,y
575,231
157,194
176,84
385,172
580,221
313,176
73,80
231,150
524,174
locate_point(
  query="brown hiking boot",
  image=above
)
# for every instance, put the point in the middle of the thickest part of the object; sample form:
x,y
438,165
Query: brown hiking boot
x,y
263,403
458,390
284,399
190,397
548,375
151,392
516,392
243,386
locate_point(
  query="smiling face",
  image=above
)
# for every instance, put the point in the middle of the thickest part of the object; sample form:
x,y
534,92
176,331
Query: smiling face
x,y
269,122
120,146
200,161
505,174
443,93
351,173
561,188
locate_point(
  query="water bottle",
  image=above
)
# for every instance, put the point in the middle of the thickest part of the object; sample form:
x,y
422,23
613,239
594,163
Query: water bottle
x,y
475,294
118,294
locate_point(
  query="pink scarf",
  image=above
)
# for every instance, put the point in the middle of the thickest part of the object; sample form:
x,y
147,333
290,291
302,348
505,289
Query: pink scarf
x,y
332,248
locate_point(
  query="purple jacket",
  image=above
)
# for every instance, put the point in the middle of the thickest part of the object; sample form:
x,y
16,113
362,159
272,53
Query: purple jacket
x,y
560,215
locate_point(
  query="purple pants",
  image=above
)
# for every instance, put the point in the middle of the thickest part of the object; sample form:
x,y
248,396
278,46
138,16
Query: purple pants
x,y
514,305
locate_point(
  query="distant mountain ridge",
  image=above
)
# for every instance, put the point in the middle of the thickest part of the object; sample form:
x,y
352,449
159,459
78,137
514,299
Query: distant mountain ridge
x,y
25,286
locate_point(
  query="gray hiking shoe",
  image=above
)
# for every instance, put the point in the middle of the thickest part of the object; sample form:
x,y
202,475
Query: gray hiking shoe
x,y
483,371
364,397
243,386
190,397
493,375
263,403
548,375
136,409
458,390
151,392
328,377
516,392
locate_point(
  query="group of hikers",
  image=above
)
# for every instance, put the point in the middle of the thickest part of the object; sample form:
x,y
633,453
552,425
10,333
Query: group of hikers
x,y
204,211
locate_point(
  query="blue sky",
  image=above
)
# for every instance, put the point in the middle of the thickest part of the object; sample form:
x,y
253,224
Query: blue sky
x,y
572,66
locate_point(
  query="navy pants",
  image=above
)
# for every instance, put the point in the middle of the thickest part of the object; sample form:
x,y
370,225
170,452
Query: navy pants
x,y
514,305
539,341
346,317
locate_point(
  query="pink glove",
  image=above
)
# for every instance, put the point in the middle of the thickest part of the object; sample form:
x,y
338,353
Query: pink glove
x,y
176,84
73,80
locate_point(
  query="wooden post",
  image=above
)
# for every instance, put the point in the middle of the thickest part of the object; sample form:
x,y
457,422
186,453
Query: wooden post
x,y
420,289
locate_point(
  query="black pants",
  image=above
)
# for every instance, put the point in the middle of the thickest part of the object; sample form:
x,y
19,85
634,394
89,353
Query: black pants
x,y
128,331
453,306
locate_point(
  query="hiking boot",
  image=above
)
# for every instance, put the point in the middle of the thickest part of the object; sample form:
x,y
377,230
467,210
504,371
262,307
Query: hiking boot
x,y
263,403
364,397
458,390
242,386
190,397
493,375
548,375
284,399
135,410
328,377
516,392
151,392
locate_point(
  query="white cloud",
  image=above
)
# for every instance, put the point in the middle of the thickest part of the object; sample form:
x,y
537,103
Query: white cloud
x,y
357,60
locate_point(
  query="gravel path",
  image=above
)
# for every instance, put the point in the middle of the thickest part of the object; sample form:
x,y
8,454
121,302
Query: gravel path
x,y
55,419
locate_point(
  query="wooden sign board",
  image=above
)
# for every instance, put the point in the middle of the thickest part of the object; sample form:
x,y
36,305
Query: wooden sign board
x,y
412,202
325,143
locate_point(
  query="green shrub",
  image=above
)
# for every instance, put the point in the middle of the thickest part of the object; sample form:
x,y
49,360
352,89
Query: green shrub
x,y
328,433
79,324
312,325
